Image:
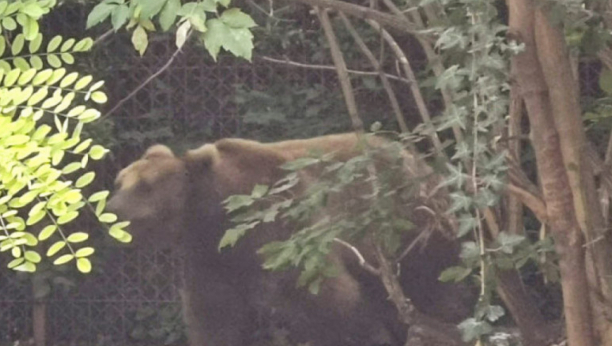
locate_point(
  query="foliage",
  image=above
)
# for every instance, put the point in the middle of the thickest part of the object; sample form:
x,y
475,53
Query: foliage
x,y
165,325
43,157
229,29
364,208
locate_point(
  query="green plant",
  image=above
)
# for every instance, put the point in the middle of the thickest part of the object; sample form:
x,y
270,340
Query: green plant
x,y
43,157
229,29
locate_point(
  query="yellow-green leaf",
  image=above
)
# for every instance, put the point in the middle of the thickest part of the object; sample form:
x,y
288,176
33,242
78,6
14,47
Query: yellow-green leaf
x,y
34,45
17,44
69,79
99,97
85,180
54,61
69,216
32,256
55,248
67,45
54,43
47,232
84,252
107,218
77,237
63,259
84,265
97,152
83,82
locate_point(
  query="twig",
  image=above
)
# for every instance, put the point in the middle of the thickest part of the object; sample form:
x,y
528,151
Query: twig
x,y
433,58
147,81
343,76
362,12
362,261
330,68
411,246
103,36
376,64
414,87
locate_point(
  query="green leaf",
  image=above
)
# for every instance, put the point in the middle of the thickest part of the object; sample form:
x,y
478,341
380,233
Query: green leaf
x,y
68,58
150,8
300,163
36,62
455,274
107,218
55,248
63,259
77,237
100,195
99,13
237,201
140,39
9,23
83,265
509,241
120,16
259,191
35,44
83,45
54,44
67,45
83,82
97,152
69,216
85,180
99,97
167,17
32,256
26,267
14,263
69,79
84,252
30,28
181,33
235,18
232,236
33,10
54,61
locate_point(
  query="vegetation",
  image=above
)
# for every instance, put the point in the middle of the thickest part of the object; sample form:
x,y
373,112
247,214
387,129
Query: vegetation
x,y
481,75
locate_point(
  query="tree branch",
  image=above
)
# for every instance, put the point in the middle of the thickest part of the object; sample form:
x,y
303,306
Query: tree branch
x,y
330,68
383,78
361,12
147,81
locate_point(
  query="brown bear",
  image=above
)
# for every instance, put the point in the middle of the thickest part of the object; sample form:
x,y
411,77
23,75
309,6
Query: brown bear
x,y
178,200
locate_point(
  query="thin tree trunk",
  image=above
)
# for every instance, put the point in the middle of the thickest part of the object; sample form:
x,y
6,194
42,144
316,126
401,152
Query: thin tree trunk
x,y
559,200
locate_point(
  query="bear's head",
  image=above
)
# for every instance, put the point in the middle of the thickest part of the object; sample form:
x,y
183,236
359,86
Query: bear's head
x,y
150,193
166,197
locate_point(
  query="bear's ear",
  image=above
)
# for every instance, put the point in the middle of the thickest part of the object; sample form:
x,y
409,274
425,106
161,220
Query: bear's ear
x,y
202,158
158,151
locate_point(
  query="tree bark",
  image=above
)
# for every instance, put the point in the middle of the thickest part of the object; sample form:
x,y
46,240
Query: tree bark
x,y
559,200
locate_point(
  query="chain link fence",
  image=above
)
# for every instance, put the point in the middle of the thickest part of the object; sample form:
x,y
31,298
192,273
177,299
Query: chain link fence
x,y
132,297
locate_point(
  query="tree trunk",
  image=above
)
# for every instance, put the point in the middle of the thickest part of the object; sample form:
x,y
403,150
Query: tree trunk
x,y
559,200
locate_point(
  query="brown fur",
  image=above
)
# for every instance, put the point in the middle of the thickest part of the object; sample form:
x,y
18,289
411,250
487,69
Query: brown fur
x,y
170,200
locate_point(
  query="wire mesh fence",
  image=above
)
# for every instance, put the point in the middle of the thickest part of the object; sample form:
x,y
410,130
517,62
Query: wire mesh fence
x,y
133,297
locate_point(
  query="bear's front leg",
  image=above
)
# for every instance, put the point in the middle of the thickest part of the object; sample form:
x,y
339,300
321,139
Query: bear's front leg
x,y
215,313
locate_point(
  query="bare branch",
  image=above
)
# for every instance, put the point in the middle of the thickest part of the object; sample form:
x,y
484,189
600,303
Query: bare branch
x,y
414,87
147,81
345,81
362,260
331,68
383,78
362,12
